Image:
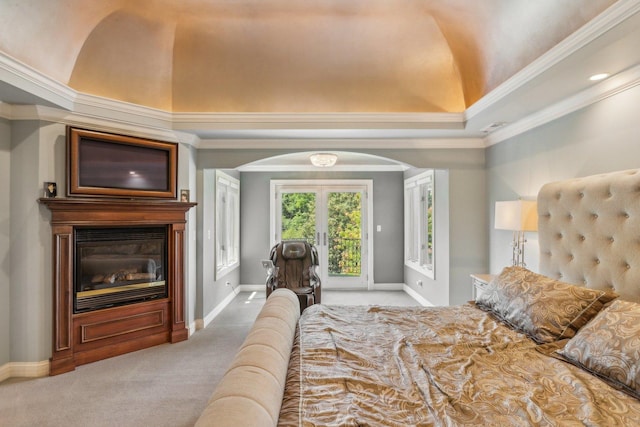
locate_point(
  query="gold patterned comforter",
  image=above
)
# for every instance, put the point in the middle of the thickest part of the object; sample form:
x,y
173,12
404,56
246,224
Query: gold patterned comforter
x,y
438,366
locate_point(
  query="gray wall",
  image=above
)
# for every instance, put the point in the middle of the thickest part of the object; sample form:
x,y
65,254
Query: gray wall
x,y
436,290
5,235
466,224
37,155
187,180
211,290
600,138
463,229
388,212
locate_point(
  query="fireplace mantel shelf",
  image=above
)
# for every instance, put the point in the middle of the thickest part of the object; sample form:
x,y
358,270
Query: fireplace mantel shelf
x,y
87,337
102,206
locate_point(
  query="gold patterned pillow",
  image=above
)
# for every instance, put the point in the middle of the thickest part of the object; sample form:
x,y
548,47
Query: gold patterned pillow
x,y
609,346
545,309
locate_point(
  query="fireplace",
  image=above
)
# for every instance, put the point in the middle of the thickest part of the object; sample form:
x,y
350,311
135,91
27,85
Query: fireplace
x,y
119,266
118,277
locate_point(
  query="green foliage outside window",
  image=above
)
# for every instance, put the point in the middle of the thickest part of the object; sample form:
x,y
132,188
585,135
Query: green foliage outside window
x,y
344,227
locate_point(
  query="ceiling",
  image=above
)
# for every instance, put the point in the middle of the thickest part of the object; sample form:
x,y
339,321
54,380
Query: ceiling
x,y
233,71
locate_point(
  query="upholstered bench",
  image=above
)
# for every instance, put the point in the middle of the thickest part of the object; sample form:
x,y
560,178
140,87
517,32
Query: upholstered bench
x,y
250,393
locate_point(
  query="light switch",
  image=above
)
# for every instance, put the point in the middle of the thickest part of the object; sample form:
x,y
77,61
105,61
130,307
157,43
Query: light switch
x,y
379,228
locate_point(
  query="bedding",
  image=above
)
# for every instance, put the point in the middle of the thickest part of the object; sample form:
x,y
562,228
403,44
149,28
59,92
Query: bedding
x,y
609,346
559,348
391,366
545,309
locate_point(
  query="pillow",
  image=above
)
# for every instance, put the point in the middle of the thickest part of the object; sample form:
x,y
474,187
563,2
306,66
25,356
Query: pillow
x,y
609,346
545,309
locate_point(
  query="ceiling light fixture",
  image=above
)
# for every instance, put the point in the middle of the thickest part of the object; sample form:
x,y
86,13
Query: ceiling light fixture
x,y
600,76
323,160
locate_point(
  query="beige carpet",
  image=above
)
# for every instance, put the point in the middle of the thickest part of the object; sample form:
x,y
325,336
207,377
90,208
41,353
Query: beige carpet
x,y
166,385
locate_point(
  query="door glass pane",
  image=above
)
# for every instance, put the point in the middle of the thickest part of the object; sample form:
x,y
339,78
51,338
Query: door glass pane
x,y
345,233
299,216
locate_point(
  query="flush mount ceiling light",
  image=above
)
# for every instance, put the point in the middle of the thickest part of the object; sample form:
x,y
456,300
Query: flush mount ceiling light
x,y
600,76
323,160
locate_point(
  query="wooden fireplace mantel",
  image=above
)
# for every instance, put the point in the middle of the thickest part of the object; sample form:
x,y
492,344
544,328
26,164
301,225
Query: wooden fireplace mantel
x,y
80,338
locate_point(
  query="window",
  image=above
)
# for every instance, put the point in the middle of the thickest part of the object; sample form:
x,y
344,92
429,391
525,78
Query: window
x,y
227,223
419,212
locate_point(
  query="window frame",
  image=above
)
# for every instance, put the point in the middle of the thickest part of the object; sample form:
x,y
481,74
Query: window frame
x,y
419,235
227,224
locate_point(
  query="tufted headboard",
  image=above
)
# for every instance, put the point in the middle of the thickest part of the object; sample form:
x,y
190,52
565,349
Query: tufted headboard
x,y
589,232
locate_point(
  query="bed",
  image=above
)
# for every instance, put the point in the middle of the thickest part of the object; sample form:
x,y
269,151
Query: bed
x,y
559,347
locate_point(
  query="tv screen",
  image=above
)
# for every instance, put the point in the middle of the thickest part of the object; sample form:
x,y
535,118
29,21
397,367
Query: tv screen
x,y
103,164
110,165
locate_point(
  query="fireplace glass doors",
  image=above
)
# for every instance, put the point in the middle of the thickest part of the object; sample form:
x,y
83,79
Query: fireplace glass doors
x,y
118,266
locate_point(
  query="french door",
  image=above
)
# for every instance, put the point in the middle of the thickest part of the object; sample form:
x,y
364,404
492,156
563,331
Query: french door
x,y
332,215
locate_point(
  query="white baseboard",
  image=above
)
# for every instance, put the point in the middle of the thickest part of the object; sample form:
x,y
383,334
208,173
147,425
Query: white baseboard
x,y
217,310
5,372
252,288
194,326
24,369
416,296
203,323
387,287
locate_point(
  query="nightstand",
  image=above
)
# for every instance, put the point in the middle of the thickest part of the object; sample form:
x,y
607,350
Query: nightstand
x,y
480,282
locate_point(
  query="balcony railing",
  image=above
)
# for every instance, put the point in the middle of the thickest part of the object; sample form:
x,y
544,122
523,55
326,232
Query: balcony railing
x,y
345,257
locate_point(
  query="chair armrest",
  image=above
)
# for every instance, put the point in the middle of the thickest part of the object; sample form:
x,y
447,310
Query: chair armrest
x,y
315,283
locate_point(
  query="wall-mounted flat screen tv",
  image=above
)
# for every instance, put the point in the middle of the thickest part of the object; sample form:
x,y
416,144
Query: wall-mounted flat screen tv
x,y
109,165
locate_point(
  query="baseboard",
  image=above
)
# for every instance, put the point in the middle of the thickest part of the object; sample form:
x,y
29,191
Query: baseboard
x,y
5,372
24,369
387,287
203,323
194,326
252,288
416,296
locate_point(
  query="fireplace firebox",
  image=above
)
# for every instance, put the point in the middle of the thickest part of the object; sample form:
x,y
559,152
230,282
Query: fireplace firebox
x,y
118,266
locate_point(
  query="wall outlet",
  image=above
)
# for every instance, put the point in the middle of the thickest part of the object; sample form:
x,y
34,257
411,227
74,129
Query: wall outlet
x,y
419,283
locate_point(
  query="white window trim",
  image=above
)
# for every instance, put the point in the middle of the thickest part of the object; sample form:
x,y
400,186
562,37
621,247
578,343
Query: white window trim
x,y
415,236
227,214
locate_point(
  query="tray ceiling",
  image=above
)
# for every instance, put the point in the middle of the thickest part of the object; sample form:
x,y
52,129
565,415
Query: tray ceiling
x,y
288,56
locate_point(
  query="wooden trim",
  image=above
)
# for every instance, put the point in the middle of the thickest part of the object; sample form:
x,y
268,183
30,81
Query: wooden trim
x,y
76,138
87,337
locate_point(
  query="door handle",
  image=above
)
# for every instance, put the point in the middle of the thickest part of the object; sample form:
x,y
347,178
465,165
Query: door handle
x,y
318,238
325,238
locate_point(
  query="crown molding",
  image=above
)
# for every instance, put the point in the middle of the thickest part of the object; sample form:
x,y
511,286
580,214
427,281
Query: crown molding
x,y
216,121
122,112
311,168
6,110
605,89
95,122
351,143
614,15
28,79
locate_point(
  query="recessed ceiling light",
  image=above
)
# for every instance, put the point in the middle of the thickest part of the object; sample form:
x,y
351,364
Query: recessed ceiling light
x,y
600,76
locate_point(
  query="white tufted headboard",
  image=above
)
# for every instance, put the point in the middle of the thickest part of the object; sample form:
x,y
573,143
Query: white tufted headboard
x,y
589,232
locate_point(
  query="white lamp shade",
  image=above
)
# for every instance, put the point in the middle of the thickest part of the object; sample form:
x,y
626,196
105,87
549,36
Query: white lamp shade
x,y
518,215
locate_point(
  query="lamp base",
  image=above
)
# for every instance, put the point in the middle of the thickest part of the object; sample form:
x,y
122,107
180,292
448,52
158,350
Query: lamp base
x,y
518,249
